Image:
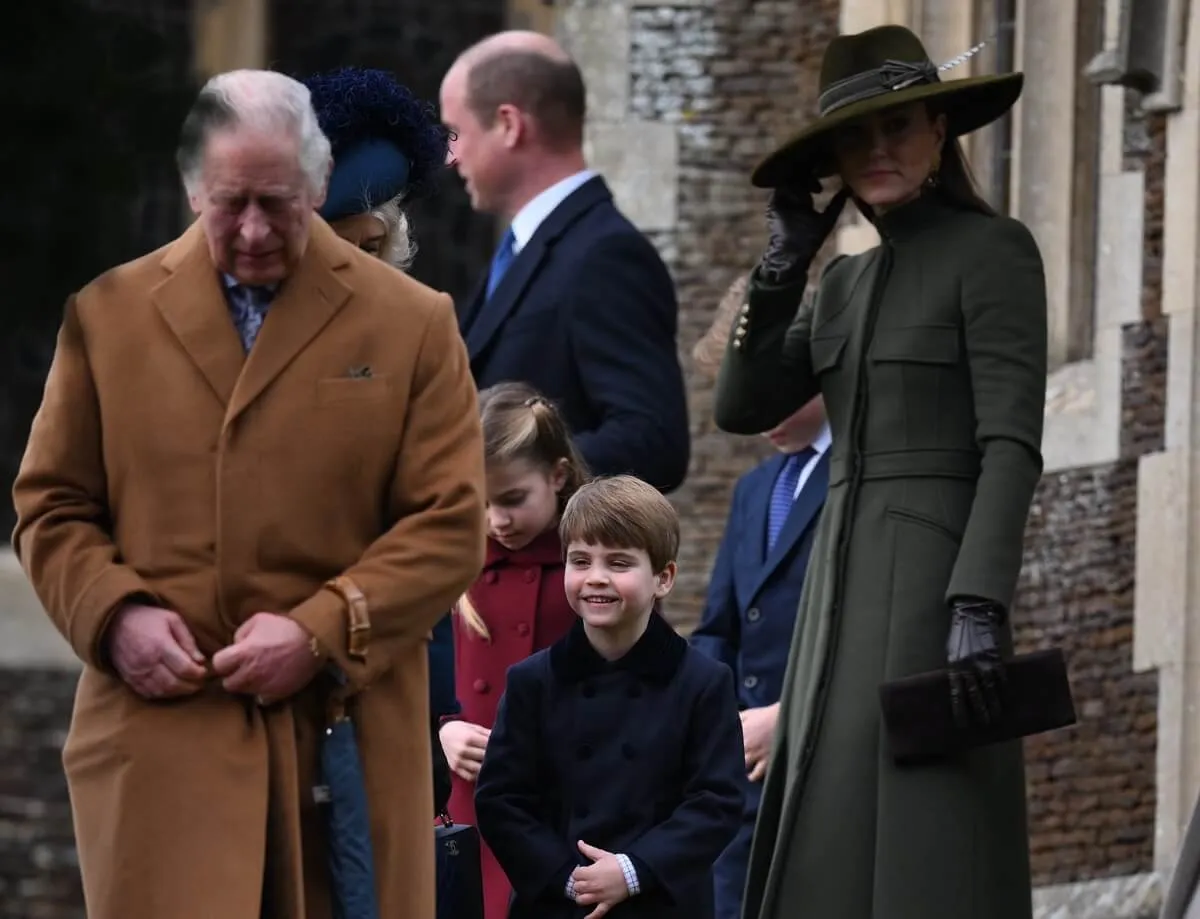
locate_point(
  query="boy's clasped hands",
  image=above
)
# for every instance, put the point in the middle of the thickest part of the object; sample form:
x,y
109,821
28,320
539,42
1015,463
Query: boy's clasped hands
x,y
601,883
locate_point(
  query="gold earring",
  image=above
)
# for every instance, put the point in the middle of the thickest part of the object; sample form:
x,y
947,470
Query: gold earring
x,y
932,179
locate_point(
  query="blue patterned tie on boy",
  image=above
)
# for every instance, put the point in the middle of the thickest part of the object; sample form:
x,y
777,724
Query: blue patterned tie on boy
x,y
505,253
784,493
248,308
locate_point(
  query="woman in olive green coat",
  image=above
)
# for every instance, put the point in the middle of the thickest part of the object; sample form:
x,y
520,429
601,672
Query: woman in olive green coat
x,y
930,351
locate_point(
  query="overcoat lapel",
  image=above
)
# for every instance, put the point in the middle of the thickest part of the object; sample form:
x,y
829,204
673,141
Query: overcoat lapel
x,y
194,308
483,319
804,509
305,304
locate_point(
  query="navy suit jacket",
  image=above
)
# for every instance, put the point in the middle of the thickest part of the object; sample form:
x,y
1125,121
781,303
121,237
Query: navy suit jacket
x,y
642,756
586,313
753,596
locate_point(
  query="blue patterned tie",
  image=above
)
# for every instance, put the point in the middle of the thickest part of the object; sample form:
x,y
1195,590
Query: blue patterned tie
x,y
248,307
784,493
500,261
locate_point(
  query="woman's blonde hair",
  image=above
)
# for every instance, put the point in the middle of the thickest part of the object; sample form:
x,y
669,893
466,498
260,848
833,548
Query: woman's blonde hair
x,y
519,423
710,349
399,247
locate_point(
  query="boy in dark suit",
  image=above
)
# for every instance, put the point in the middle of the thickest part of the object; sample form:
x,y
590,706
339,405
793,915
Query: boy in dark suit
x,y
614,774
754,591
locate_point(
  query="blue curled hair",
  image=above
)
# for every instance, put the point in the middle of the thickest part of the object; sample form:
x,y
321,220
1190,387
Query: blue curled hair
x,y
391,142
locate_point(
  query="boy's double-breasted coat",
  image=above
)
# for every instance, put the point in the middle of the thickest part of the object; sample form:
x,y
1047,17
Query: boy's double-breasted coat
x,y
164,463
520,597
642,756
930,351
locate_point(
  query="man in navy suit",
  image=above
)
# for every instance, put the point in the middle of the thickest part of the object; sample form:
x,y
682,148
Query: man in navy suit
x,y
577,302
754,591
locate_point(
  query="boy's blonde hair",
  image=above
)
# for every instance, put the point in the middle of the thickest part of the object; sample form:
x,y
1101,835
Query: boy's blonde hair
x,y
623,512
519,423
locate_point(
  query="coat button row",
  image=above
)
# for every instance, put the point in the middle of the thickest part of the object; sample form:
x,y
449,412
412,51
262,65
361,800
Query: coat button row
x,y
480,686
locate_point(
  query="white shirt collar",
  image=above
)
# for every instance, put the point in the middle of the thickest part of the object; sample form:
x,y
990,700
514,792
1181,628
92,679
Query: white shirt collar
x,y
823,441
531,216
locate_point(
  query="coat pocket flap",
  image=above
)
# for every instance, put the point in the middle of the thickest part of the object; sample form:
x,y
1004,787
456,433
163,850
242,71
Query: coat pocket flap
x,y
827,352
919,344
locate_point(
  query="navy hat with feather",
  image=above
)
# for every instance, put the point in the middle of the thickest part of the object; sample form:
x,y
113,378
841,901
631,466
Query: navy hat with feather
x,y
386,142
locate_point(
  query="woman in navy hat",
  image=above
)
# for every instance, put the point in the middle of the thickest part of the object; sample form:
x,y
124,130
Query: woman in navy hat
x,y
388,146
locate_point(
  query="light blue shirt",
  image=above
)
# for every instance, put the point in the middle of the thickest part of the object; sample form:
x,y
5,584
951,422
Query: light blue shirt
x,y
533,214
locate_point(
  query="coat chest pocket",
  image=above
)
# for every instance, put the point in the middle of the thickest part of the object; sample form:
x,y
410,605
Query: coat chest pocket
x,y
353,390
827,351
923,344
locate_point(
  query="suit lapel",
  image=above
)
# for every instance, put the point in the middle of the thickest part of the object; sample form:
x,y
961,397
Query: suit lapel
x,y
491,313
486,317
194,307
305,304
806,506
752,549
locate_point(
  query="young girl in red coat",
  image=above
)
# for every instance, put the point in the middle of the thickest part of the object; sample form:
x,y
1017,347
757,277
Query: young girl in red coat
x,y
518,604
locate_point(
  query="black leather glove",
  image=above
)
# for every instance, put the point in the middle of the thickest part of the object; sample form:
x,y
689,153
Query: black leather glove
x,y
797,231
973,654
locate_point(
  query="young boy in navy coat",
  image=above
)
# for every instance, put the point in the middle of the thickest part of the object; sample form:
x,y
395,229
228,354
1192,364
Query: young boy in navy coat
x,y
614,774
754,591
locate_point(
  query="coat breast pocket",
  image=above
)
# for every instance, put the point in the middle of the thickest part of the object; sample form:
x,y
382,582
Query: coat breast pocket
x,y
928,345
343,390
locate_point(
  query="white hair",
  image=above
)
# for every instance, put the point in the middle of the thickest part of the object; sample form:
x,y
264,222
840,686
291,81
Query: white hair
x,y
260,99
399,248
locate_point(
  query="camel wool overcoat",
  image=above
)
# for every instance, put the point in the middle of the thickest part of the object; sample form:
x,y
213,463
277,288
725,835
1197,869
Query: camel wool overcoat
x,y
930,352
166,464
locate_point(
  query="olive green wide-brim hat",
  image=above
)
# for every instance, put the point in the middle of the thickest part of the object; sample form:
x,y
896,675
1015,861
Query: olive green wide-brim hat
x,y
874,70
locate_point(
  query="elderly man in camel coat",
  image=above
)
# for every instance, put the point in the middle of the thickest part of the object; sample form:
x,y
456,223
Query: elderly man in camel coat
x,y
257,465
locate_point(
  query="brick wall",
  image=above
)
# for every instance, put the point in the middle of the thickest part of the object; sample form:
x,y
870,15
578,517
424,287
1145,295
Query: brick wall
x,y
735,77
39,874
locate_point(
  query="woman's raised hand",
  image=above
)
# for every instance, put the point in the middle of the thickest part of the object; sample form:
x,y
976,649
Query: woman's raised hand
x,y
797,231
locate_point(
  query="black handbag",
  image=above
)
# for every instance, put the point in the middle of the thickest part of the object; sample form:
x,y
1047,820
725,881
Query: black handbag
x,y
920,724
459,875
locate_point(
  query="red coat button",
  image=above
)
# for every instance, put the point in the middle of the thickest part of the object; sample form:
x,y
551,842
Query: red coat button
x,y
490,577
522,628
530,575
480,686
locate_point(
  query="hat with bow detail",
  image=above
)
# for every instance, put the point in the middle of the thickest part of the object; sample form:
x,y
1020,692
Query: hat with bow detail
x,y
877,69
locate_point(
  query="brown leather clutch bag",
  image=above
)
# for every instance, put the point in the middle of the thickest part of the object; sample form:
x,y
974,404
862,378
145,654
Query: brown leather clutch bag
x,y
920,725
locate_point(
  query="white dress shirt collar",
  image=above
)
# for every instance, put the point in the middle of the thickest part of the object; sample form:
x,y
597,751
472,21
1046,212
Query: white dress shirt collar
x,y
532,215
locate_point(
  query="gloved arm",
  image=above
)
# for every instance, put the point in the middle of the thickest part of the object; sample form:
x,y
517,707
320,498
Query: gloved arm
x,y
796,232
767,371
973,655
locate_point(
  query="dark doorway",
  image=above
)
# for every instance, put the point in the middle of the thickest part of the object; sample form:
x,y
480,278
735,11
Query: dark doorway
x,y
417,40
93,94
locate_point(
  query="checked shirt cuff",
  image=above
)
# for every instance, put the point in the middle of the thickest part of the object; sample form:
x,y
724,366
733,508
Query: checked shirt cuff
x,y
630,873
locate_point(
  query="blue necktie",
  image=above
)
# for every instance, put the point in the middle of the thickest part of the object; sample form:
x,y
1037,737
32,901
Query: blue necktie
x,y
501,260
784,493
248,308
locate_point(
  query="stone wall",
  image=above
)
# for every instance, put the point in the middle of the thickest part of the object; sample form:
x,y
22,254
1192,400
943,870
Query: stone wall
x,y
734,76
1092,788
